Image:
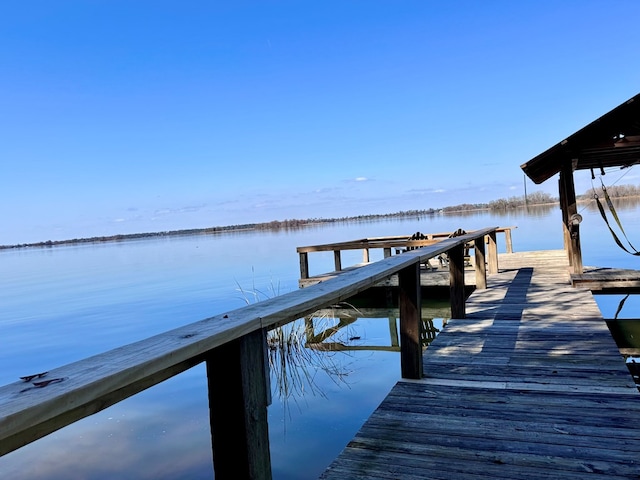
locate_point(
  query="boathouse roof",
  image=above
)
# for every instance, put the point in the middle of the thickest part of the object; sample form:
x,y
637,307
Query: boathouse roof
x,y
613,140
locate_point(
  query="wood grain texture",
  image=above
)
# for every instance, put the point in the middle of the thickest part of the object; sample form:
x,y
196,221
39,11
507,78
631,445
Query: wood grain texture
x,y
92,384
530,385
409,300
608,280
400,244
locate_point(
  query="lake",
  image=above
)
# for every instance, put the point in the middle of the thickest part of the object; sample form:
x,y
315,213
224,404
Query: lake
x,y
62,304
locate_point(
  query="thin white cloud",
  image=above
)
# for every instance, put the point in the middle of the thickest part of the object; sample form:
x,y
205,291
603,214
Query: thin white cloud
x,y
426,191
192,208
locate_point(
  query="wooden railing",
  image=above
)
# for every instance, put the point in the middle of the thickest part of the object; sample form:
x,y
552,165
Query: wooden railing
x,y
387,244
233,346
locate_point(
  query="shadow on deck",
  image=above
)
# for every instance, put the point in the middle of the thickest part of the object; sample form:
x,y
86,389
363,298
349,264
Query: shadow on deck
x,y
529,385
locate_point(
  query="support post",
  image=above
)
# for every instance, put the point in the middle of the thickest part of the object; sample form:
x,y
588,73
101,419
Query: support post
x,y
456,280
337,260
387,252
480,261
304,265
492,257
393,332
365,255
238,398
410,305
569,208
509,242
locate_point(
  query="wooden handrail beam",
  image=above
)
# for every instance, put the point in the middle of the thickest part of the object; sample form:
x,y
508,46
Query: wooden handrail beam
x,y
90,385
387,244
389,241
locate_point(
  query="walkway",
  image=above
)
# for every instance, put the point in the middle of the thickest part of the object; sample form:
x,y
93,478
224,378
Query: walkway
x,y
529,386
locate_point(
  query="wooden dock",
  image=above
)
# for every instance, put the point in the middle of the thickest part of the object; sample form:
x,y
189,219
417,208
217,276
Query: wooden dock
x,y
608,280
526,382
42,402
432,275
529,385
433,272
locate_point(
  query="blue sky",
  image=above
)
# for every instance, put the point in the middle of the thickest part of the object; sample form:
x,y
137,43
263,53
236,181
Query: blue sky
x,y
135,116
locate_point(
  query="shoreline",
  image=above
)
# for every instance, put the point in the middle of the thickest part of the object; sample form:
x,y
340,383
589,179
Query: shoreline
x,y
267,226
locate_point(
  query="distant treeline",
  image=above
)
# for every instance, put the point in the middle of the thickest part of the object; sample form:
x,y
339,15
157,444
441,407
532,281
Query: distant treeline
x,y
614,191
536,198
134,236
541,198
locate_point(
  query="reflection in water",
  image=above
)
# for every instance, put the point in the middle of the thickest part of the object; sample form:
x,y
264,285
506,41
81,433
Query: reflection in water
x,y
621,313
143,437
621,204
60,305
626,333
318,341
295,367
540,211
324,341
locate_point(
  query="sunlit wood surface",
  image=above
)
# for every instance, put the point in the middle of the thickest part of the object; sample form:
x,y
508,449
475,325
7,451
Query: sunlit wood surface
x,y
530,385
43,402
608,280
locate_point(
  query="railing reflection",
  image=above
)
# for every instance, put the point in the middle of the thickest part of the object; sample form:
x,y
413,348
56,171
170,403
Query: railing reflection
x,y
433,320
300,350
234,347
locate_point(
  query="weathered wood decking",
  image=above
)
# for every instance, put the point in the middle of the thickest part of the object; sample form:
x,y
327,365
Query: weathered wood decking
x,y
238,396
608,280
529,385
434,275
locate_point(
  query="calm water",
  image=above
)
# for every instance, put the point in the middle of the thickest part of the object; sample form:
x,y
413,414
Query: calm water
x,y
63,304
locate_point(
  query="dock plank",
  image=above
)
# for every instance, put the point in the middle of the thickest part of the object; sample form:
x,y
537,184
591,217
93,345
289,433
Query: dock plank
x,y
529,385
608,279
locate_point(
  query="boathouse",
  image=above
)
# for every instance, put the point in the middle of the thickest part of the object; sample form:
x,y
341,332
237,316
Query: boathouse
x,y
527,381
613,140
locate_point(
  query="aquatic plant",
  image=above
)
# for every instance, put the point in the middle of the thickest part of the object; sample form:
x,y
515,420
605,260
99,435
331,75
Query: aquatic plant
x,y
293,365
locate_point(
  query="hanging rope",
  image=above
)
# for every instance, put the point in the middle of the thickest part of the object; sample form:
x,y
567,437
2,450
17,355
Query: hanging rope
x,y
620,305
635,252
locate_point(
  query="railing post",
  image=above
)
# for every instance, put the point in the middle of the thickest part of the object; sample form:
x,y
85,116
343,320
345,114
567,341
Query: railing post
x,y
480,261
304,265
456,280
337,260
387,252
493,253
238,398
410,305
393,332
365,255
507,236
